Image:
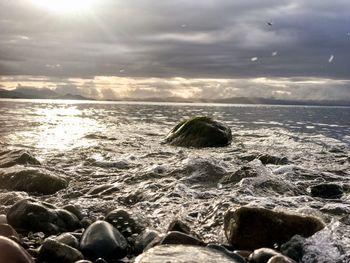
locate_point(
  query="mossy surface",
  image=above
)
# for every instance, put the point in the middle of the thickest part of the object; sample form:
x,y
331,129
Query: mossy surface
x,y
198,132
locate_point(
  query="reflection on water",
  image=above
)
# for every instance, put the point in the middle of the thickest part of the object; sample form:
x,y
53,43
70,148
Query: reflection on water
x,y
64,124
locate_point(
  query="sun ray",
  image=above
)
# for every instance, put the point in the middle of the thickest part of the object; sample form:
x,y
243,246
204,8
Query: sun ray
x,y
65,6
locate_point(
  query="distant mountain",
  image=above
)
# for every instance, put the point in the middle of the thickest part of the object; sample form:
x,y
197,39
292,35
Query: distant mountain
x,y
33,93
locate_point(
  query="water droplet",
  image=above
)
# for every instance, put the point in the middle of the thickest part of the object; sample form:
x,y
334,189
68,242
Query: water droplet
x,y
254,59
274,53
183,25
330,59
122,70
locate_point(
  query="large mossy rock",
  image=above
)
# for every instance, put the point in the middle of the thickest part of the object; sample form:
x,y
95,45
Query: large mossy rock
x,y
199,132
252,228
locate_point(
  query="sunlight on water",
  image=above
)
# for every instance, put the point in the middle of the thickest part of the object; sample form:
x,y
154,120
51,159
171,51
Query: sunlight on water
x,y
63,128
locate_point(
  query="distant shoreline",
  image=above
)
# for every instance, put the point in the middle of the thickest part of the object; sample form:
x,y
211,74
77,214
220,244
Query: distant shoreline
x,y
165,102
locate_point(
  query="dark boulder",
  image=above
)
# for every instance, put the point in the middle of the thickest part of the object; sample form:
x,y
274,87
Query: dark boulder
x,y
31,180
294,248
11,252
31,215
143,240
181,253
199,132
331,191
12,157
253,228
103,240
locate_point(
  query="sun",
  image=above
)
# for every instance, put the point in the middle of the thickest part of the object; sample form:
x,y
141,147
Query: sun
x,y
65,6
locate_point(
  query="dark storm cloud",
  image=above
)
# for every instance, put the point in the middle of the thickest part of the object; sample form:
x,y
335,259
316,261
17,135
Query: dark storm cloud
x,y
206,38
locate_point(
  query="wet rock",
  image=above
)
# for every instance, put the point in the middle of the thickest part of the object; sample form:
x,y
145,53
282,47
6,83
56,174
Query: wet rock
x,y
336,209
181,253
270,159
144,239
55,252
252,228
31,180
11,252
252,169
179,226
281,259
10,198
294,248
199,132
12,157
332,191
124,222
262,255
104,189
234,256
181,239
75,210
31,215
68,239
83,261
101,239
8,231
265,158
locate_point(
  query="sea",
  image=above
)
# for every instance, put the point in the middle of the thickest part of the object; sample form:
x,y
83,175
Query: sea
x,y
114,156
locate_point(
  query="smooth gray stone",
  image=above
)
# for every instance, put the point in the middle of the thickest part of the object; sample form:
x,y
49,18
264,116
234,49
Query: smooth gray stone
x,y
182,253
55,252
103,240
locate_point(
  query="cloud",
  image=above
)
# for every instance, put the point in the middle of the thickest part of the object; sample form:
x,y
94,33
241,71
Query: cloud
x,y
105,87
167,40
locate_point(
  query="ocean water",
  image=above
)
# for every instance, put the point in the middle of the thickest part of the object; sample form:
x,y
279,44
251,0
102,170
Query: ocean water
x,y
113,155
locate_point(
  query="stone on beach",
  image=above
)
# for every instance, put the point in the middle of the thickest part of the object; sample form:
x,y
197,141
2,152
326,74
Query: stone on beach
x,y
124,222
331,191
12,157
11,252
182,253
31,180
199,132
253,228
31,215
103,240
54,251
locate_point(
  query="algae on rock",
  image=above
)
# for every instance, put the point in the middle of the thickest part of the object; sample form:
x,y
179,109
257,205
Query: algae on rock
x,y
199,132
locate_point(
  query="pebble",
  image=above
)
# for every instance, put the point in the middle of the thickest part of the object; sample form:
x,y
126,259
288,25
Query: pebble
x,y
262,255
281,259
54,251
32,215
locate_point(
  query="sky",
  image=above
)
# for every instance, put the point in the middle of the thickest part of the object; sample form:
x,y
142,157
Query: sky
x,y
113,49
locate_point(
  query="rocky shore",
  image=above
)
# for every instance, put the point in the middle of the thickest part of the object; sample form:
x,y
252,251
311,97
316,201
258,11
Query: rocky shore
x,y
32,229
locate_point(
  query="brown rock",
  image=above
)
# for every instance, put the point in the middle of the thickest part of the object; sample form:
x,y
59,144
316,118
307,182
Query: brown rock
x,y
11,252
8,231
252,228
